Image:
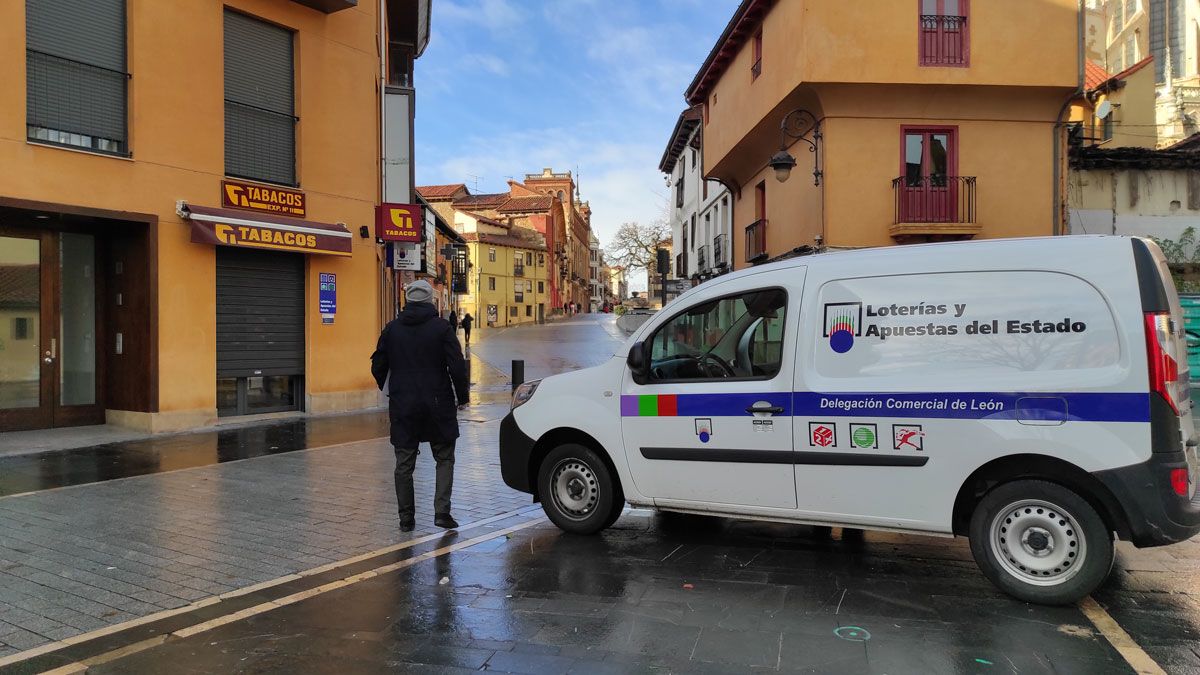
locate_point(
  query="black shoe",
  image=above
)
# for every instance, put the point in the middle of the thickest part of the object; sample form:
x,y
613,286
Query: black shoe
x,y
407,524
445,520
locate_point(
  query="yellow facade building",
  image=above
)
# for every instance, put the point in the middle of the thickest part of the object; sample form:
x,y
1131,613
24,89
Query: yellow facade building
x,y
906,121
508,281
190,190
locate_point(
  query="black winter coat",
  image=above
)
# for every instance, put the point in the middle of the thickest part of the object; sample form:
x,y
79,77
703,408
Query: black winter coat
x,y
428,376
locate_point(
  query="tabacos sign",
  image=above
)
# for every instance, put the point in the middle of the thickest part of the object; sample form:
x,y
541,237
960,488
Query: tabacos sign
x,y
400,222
243,235
262,198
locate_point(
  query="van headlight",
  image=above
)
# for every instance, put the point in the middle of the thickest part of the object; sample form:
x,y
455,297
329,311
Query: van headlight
x,y
523,393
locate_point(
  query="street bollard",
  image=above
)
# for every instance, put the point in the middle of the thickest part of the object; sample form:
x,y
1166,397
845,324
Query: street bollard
x,y
518,373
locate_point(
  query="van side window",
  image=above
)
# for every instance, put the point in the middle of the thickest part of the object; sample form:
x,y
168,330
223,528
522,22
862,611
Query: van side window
x,y
739,336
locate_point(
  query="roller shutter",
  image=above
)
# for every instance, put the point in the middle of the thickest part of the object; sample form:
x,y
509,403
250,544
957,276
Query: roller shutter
x,y
260,313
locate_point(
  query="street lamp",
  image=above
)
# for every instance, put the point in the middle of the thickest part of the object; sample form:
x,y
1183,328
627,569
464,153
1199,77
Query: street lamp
x,y
797,124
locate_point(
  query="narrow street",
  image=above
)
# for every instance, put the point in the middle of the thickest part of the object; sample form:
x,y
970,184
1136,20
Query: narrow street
x,y
292,562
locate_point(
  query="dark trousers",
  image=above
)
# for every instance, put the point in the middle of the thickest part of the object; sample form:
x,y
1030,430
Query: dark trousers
x,y
406,461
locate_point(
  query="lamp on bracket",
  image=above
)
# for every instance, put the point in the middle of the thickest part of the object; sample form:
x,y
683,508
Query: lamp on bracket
x,y
800,125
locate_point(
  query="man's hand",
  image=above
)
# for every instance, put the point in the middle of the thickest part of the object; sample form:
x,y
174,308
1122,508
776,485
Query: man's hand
x,y
462,406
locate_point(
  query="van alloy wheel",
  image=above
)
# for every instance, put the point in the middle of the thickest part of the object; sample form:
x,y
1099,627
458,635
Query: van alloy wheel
x,y
1038,542
574,488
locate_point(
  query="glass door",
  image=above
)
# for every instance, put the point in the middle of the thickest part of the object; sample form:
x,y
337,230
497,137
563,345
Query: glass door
x,y
48,330
25,349
928,188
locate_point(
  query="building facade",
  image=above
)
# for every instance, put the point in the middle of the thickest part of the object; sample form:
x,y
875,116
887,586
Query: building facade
x,y
1129,31
509,278
547,203
186,230
701,214
878,122
618,284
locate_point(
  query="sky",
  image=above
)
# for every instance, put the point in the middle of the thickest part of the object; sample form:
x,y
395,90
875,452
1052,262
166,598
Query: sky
x,y
507,87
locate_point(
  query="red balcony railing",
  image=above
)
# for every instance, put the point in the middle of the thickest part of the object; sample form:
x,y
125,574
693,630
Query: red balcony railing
x,y
756,241
934,199
943,40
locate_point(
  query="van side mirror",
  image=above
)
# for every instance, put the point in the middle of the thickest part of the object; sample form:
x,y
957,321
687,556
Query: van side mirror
x,y
638,364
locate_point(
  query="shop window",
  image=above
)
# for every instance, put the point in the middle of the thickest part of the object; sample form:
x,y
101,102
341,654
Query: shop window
x,y
76,74
260,120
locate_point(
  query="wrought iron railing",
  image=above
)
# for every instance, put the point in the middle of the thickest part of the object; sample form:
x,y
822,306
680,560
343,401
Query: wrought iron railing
x,y
756,241
934,199
943,40
702,259
720,250
518,269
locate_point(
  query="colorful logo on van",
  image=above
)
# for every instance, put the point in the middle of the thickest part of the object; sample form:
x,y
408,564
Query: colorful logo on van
x,y
843,323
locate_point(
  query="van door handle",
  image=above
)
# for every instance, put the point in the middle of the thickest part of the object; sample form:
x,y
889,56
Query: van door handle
x,y
773,409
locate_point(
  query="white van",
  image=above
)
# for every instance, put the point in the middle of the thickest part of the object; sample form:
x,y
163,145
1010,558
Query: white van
x,y
1029,394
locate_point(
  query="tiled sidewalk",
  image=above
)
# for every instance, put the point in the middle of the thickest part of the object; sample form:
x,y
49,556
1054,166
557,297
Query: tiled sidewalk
x,y
81,558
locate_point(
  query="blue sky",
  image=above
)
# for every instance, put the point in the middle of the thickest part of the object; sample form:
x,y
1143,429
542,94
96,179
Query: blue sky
x,y
507,87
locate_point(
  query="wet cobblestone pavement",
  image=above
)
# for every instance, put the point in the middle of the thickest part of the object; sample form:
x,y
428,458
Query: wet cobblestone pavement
x,y
292,563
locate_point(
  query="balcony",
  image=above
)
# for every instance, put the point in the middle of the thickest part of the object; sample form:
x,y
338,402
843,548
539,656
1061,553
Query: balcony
x,y
702,259
943,40
329,6
518,269
720,251
756,241
934,208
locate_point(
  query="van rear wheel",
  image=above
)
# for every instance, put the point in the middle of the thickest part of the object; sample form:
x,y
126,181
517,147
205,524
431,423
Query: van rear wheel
x,y
579,493
1041,542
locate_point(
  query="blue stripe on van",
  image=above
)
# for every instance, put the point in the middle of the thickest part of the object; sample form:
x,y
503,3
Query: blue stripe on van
x,y
1032,406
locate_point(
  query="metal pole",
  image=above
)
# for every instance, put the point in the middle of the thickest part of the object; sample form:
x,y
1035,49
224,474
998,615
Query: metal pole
x,y
518,373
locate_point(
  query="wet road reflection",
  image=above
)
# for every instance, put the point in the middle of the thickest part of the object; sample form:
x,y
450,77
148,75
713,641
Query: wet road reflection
x,y
27,473
664,593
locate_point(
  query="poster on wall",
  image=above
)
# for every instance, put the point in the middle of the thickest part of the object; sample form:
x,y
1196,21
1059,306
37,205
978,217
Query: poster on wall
x,y
327,296
405,256
493,314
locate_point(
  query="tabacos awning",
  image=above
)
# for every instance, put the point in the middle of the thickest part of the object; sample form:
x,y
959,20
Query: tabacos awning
x,y
227,227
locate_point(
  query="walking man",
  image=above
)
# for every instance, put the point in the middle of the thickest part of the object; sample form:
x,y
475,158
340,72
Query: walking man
x,y
467,322
419,360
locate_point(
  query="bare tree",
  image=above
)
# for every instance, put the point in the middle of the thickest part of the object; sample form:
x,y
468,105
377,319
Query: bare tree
x,y
634,244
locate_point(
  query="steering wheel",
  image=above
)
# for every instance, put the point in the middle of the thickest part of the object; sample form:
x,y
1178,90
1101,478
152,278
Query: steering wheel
x,y
727,370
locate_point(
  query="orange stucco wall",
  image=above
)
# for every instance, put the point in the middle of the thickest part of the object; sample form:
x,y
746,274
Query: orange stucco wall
x,y
176,135
855,66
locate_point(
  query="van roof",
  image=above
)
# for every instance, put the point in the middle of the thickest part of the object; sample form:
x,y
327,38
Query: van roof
x,y
1013,246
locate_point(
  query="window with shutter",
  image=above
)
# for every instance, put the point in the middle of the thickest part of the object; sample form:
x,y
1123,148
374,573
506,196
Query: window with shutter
x,y
76,75
260,120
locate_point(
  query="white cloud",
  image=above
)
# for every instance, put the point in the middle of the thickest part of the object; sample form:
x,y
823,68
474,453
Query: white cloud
x,y
487,62
491,13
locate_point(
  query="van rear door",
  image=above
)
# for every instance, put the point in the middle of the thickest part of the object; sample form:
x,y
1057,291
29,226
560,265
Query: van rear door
x,y
1166,348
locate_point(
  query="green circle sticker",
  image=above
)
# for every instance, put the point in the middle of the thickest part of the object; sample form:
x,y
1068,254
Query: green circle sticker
x,y
863,437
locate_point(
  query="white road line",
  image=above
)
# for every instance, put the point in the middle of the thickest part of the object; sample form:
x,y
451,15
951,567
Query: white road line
x,y
1134,655
116,628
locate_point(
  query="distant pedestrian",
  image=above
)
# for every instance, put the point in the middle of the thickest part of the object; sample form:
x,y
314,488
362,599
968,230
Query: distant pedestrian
x,y
467,322
453,319
420,362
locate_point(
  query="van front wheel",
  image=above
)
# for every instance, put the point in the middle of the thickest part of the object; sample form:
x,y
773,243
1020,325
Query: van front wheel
x,y
1041,542
579,494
